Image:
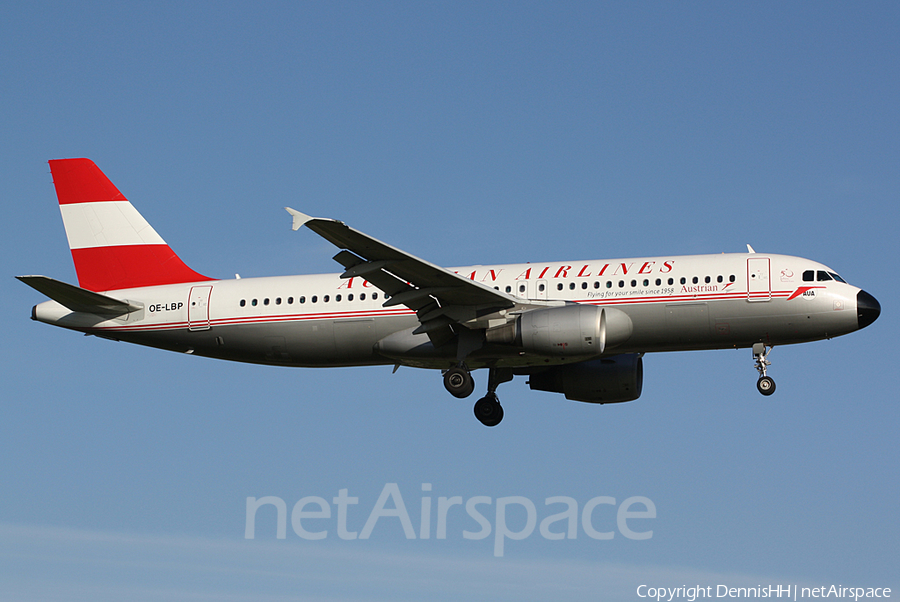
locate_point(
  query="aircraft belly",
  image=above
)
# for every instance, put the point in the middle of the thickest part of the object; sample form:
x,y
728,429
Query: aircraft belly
x,y
732,323
779,321
307,343
687,323
311,343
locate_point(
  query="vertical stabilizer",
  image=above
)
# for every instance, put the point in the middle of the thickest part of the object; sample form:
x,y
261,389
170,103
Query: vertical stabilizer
x,y
112,245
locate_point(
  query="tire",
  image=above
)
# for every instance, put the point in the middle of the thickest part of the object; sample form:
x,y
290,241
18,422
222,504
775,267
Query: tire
x,y
459,382
488,411
765,385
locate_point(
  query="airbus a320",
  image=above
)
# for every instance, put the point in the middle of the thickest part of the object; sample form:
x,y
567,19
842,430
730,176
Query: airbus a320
x,y
580,328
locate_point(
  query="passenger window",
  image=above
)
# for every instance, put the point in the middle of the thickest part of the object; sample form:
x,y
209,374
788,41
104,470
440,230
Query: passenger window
x,y
559,286
571,286
350,297
596,284
302,299
540,288
508,289
326,298
584,285
621,284
646,282
253,303
808,276
362,296
522,288
374,296
290,300
683,280
719,279
658,281
695,280
314,299
266,301
706,280
609,284
731,278
671,281
633,283
337,298
278,301
243,302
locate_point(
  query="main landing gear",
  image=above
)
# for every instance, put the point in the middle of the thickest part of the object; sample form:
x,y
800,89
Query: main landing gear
x,y
765,384
488,410
459,382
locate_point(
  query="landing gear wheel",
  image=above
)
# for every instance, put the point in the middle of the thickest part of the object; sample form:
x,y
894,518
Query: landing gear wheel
x,y
766,385
459,382
488,410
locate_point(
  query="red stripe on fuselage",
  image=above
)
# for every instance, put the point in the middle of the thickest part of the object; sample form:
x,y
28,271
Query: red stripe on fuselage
x,y
381,313
802,290
131,266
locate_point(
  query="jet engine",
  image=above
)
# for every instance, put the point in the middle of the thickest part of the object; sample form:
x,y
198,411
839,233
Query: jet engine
x,y
607,380
569,331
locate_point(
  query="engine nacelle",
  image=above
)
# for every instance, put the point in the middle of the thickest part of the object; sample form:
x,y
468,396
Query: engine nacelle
x,y
608,380
568,331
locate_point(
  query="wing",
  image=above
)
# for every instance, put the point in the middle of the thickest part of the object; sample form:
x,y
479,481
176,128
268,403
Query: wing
x,y
443,300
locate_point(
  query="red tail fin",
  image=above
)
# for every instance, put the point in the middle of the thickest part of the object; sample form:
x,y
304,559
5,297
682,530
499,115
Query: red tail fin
x,y
112,245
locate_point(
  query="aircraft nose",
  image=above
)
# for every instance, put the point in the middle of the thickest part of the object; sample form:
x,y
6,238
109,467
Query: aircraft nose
x,y
867,309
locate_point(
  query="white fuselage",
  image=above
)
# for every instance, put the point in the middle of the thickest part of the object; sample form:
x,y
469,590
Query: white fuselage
x,y
674,303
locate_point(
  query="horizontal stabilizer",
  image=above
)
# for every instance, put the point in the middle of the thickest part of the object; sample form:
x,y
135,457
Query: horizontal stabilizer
x,y
78,299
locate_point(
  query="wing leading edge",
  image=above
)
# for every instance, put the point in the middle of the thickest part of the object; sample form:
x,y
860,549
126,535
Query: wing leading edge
x,y
443,300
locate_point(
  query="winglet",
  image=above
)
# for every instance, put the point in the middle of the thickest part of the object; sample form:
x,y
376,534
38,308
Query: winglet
x,y
749,248
299,218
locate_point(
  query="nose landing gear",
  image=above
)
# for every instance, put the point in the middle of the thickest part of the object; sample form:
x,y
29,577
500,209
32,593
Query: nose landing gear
x,y
765,384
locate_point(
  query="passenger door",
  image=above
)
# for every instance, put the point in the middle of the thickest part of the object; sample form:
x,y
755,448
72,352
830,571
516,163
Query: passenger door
x,y
759,282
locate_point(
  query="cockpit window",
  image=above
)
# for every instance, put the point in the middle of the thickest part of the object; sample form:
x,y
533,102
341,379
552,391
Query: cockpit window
x,y
821,276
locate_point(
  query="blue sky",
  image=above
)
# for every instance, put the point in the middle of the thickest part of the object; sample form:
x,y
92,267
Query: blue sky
x,y
463,133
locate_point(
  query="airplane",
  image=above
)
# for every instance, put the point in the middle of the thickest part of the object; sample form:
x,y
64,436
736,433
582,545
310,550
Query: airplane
x,y
580,328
